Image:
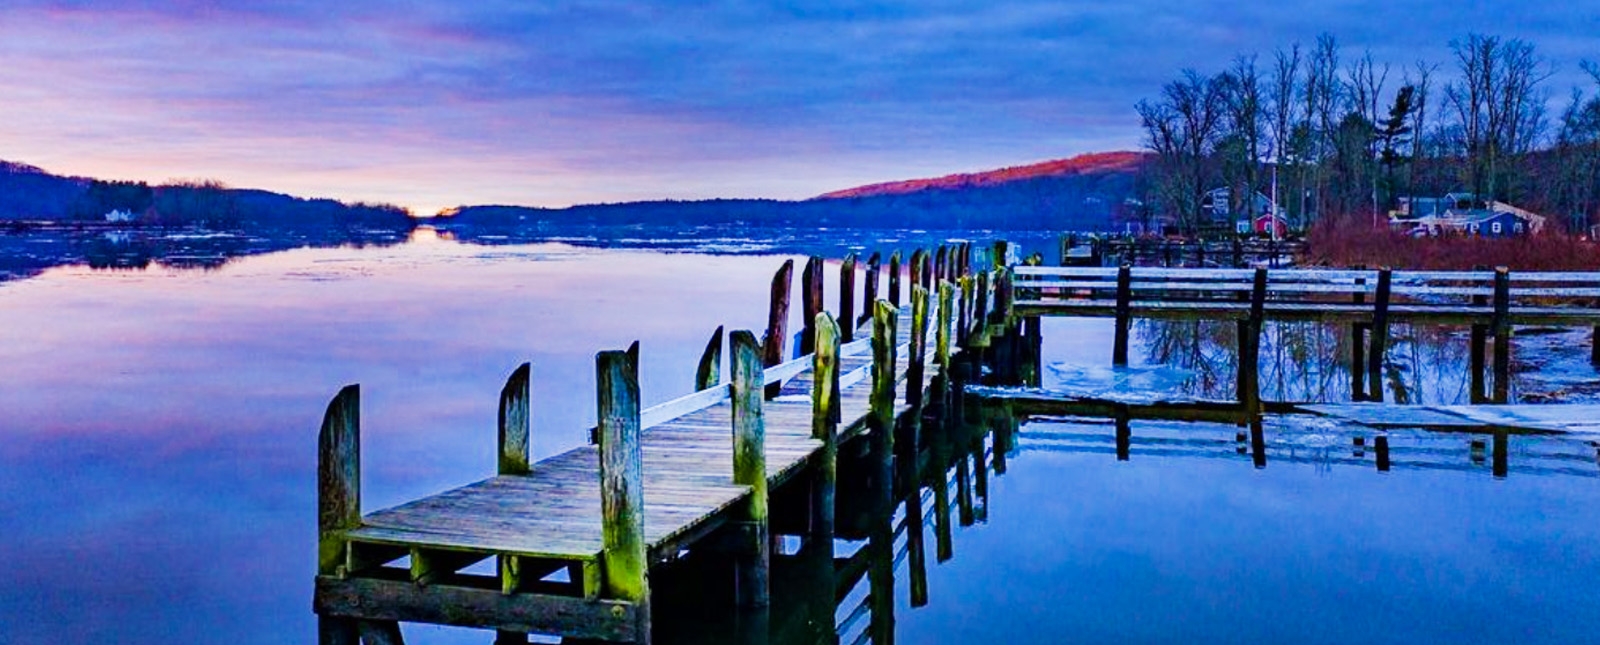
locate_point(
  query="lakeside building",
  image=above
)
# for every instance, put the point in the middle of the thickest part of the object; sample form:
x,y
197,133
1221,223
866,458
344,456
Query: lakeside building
x,y
1461,214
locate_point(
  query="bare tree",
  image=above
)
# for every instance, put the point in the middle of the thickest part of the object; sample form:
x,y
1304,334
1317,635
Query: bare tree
x,y
1365,83
1324,94
1182,129
1497,106
1282,95
1422,83
1241,89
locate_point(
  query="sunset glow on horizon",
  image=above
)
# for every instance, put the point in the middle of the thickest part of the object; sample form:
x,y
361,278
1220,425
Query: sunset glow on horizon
x,y
442,104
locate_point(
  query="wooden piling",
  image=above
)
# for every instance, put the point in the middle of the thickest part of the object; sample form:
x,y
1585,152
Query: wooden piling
x,y
811,303
941,336
964,313
847,299
1477,349
870,293
885,320
1380,337
338,480
825,425
777,321
1002,251
750,468
919,258
513,426
625,568
980,311
709,374
1119,346
916,366
894,278
941,263
1502,335
1249,384
1380,444
1358,347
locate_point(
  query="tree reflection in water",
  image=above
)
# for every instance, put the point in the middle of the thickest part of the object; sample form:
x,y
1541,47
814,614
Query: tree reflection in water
x,y
1310,361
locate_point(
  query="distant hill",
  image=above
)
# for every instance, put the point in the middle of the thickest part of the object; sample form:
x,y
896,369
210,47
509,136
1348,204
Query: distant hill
x,y
30,193
1095,164
1082,193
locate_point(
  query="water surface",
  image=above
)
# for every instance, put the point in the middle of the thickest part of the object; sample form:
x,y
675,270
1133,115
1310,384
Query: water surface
x,y
157,464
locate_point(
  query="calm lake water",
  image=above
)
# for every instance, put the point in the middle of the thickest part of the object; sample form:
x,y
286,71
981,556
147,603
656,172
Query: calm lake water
x,y
157,464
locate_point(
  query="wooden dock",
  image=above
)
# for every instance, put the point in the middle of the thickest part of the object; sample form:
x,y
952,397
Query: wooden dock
x,y
1491,303
573,537
566,546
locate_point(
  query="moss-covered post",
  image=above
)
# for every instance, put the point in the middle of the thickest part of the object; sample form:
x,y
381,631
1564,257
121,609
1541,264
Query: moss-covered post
x,y
894,278
338,499
916,366
778,321
847,299
514,460
709,373
941,336
1502,335
513,426
750,467
1380,336
810,303
825,425
338,479
1119,344
626,570
1002,252
918,258
885,323
964,314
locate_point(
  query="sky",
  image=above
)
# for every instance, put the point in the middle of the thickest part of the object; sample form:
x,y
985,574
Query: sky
x,y
433,104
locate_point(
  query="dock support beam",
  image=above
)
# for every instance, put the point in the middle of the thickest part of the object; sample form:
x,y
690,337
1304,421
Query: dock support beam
x,y
1502,335
625,568
1119,347
750,468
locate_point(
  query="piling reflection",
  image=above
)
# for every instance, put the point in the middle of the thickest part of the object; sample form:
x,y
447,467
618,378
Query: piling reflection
x,y
1321,442
1309,361
844,590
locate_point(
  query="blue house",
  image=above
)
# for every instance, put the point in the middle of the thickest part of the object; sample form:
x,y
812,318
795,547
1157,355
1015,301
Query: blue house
x,y
1494,224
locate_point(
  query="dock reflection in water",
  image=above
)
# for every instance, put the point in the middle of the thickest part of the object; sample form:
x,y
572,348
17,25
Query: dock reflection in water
x,y
1151,529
